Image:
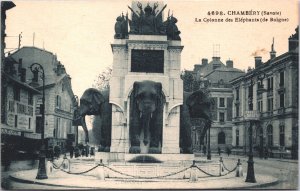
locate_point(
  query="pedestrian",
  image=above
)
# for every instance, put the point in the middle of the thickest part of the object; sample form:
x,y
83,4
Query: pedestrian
x,y
228,150
266,152
71,151
204,150
219,151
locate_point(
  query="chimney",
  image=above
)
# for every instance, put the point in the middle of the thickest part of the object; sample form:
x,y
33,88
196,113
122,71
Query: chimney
x,y
294,40
216,62
273,52
204,61
229,64
197,67
257,61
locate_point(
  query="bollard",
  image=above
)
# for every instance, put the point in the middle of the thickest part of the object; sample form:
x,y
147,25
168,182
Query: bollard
x,y
66,163
221,167
239,169
193,176
49,167
100,171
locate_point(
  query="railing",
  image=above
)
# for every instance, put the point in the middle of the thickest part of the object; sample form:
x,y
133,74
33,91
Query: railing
x,y
270,93
252,115
281,111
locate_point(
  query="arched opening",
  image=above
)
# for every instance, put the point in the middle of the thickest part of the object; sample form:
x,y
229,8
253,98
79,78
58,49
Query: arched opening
x,y
221,138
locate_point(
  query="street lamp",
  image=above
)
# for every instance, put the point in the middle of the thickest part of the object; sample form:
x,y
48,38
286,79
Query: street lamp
x,y
42,173
250,171
208,144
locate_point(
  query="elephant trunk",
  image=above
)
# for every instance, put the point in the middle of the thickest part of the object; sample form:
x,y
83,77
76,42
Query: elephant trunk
x,y
146,117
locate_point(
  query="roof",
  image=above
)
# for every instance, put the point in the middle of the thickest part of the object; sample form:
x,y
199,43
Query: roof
x,y
64,76
23,84
32,47
215,71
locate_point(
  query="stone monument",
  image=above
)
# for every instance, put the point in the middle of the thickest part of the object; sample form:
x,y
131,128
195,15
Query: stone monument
x,y
146,91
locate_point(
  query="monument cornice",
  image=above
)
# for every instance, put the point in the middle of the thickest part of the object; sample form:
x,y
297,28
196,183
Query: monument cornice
x,y
175,48
148,45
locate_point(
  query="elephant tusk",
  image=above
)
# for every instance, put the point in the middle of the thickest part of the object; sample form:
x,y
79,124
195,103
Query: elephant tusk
x,y
141,115
151,116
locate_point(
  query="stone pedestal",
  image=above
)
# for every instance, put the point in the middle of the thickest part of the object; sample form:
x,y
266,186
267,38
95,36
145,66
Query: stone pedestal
x,y
121,86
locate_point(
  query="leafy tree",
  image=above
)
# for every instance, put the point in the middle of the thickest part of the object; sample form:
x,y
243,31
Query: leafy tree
x,y
102,81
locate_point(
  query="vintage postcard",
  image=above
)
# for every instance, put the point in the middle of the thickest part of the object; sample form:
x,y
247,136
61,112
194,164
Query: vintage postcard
x,y
142,94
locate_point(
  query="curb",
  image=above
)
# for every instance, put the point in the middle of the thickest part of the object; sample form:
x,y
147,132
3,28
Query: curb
x,y
20,180
42,183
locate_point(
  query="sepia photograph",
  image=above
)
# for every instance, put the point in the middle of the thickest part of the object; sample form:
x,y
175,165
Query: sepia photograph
x,y
149,94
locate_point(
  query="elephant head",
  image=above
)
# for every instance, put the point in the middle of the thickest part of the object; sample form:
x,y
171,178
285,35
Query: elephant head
x,y
146,105
90,104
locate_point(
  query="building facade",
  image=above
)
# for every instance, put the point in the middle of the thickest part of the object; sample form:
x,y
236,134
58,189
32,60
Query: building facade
x,y
5,5
268,97
214,78
18,111
59,96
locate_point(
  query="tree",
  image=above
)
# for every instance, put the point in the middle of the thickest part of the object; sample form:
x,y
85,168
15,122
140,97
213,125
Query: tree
x,y
102,81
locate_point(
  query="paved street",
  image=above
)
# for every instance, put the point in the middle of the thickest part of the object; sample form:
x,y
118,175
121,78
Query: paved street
x,y
285,170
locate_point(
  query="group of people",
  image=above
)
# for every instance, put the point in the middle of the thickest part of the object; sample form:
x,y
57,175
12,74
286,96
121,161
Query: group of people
x,y
83,151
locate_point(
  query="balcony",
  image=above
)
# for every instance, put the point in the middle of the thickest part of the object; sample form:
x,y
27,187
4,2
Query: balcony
x,y
281,88
252,115
281,111
270,93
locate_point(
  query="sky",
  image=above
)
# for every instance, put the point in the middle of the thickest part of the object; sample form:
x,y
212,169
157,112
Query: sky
x,y
81,32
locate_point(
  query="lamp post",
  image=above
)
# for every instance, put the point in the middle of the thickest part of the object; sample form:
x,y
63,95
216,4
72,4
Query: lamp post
x,y
208,143
250,171
42,173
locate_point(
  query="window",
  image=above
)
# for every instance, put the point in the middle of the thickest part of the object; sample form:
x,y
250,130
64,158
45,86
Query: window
x,y
16,93
237,92
30,98
260,105
16,121
29,123
281,81
250,91
57,130
221,138
281,97
237,137
270,104
270,83
270,135
58,102
222,102
281,135
237,110
222,117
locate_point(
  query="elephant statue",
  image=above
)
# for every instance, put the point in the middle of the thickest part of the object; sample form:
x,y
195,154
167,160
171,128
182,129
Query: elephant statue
x,y
146,103
95,102
196,105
